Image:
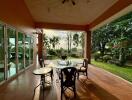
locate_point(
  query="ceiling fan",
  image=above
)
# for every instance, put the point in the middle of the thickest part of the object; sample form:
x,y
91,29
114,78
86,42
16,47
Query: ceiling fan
x,y
72,1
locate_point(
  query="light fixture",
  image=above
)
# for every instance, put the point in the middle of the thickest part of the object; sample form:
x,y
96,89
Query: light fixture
x,y
72,1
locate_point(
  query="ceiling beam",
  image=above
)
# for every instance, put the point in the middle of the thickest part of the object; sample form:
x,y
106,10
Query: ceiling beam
x,y
61,26
118,6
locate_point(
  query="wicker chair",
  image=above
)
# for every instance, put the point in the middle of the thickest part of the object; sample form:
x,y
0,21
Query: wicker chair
x,y
82,67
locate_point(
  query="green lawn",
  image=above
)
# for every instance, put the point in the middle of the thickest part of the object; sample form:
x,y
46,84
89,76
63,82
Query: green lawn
x,y
124,71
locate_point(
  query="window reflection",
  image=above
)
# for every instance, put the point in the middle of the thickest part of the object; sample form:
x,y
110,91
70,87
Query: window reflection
x,y
27,50
1,53
17,47
11,65
20,51
31,50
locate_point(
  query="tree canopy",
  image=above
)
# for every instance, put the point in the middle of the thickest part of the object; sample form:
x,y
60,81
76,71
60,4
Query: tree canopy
x,y
117,35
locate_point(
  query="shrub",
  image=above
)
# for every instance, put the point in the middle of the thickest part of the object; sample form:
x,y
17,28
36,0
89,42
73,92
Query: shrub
x,y
49,57
74,55
106,58
74,49
96,56
116,62
52,52
58,51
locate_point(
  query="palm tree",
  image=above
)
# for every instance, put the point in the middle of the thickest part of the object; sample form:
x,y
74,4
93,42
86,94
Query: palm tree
x,y
75,40
82,42
46,42
54,41
69,40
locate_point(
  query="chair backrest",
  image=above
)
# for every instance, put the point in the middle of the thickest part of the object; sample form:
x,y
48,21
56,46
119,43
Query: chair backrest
x,y
68,76
85,62
64,57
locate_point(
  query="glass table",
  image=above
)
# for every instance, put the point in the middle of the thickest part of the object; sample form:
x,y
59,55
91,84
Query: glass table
x,y
42,72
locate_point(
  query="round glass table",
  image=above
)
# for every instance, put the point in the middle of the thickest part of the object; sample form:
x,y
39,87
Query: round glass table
x,y
42,72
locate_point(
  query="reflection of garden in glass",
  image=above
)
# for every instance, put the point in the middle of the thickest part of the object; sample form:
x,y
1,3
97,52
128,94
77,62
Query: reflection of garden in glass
x,y
20,51
1,53
31,51
11,35
27,50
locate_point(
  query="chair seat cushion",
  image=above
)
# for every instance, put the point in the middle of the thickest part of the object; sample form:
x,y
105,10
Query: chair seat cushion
x,y
80,68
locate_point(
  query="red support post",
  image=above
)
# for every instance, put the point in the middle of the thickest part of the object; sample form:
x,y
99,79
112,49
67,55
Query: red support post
x,y
88,46
40,45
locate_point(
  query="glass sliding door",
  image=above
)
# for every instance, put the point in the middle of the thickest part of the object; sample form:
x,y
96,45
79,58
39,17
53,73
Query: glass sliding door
x,y
27,50
31,50
11,59
16,51
20,51
2,59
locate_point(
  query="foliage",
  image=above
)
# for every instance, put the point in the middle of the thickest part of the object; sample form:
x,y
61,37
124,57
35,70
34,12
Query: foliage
x,y
96,56
74,55
54,41
1,53
118,35
116,62
121,43
60,52
76,39
106,58
52,52
82,40
46,42
69,41
101,37
74,49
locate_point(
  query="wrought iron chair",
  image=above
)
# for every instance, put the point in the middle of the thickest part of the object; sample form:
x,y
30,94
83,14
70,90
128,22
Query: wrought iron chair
x,y
68,78
82,67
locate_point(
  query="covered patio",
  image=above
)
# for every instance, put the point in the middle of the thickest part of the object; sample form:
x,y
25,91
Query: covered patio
x,y
31,16
101,85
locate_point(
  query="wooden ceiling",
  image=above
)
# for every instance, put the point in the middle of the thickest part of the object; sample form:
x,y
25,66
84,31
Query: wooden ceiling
x,y
84,15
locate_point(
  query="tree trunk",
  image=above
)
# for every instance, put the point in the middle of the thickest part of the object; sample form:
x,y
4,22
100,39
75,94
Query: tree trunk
x,y
68,42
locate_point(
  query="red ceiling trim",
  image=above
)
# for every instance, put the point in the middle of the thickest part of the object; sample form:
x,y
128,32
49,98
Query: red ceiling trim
x,y
61,26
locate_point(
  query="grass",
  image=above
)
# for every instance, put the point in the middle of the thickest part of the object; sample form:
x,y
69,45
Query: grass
x,y
124,71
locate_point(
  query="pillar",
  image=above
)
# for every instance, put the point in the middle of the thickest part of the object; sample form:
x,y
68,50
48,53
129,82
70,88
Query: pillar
x,y
40,46
88,46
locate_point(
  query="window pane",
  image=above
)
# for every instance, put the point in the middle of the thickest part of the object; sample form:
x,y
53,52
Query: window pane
x,y
27,50
11,65
1,53
20,51
31,50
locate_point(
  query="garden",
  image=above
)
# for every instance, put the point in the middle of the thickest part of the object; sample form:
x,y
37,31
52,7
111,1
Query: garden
x,y
112,47
66,43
